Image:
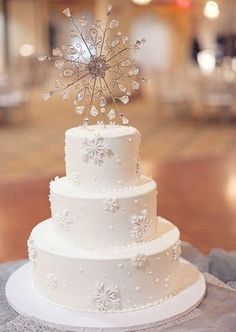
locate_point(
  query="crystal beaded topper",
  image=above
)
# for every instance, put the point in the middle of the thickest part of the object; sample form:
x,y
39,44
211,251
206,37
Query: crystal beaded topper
x,y
96,66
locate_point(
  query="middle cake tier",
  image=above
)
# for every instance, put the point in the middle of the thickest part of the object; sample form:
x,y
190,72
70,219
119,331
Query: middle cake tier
x,y
105,219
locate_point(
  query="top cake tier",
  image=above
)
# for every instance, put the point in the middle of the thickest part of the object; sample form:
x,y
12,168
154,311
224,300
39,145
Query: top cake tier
x,y
102,157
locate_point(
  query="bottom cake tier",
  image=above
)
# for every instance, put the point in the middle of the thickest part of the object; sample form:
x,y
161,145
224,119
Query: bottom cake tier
x,y
117,280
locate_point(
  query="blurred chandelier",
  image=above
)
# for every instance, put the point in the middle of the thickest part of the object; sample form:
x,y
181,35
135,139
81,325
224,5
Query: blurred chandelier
x,y
211,10
142,2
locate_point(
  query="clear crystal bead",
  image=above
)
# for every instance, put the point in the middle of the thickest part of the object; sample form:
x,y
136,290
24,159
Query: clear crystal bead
x,y
82,21
93,111
122,87
126,63
111,114
102,101
79,109
58,85
134,71
135,85
80,95
71,50
65,94
109,9
59,64
115,42
67,12
42,58
46,96
99,24
125,39
124,119
73,34
124,99
114,24
68,72
56,52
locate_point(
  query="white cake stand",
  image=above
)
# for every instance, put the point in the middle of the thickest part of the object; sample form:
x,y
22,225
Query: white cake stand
x,y
27,301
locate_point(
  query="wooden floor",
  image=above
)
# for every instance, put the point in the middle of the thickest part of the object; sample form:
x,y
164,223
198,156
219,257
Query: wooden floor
x,y
199,196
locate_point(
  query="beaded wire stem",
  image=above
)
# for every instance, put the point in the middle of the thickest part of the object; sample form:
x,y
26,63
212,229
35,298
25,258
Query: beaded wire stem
x,y
97,66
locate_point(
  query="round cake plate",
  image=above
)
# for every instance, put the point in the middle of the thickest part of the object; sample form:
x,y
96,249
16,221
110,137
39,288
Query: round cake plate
x,y
24,299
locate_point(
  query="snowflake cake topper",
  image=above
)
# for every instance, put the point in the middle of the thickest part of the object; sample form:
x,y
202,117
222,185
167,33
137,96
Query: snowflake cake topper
x,y
97,66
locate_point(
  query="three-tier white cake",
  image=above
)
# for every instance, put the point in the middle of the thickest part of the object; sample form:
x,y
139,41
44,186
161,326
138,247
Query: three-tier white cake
x,y
104,249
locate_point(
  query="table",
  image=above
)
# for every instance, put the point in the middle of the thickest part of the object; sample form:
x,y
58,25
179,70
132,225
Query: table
x,y
199,196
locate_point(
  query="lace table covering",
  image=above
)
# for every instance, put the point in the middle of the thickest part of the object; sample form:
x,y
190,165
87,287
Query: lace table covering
x,y
217,312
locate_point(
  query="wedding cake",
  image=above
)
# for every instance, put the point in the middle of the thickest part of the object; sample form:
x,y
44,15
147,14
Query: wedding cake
x,y
104,260
104,249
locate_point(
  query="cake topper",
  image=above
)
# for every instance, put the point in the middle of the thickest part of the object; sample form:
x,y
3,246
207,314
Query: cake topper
x,y
97,66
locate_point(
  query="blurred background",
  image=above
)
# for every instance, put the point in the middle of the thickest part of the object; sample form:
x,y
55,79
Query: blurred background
x,y
186,115
187,111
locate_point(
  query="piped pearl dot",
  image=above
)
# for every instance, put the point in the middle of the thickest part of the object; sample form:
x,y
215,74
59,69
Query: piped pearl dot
x,y
150,273
136,201
167,254
157,280
158,257
137,288
120,266
130,139
111,228
129,274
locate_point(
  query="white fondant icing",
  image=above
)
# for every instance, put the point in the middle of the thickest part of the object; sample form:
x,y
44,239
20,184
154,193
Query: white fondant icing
x,y
104,214
91,151
63,262
104,204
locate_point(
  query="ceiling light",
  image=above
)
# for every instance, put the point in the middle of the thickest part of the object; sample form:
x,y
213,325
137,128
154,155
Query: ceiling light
x,y
142,2
211,10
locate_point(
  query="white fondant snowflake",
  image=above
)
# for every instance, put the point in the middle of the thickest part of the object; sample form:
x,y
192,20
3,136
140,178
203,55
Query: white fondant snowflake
x,y
138,168
167,281
139,260
95,150
52,281
176,251
111,205
140,226
106,298
32,253
74,179
63,218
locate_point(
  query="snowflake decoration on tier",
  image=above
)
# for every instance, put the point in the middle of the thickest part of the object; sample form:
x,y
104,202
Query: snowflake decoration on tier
x,y
32,253
141,226
95,150
106,298
139,261
176,251
63,218
111,205
97,65
52,281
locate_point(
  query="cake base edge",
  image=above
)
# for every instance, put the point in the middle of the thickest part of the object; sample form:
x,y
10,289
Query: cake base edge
x,y
28,302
